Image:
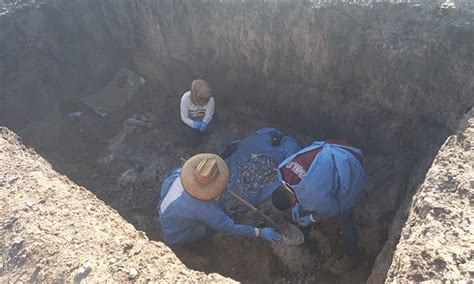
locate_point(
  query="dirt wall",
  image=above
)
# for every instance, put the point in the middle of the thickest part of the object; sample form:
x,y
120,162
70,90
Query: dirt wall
x,y
386,76
52,230
436,241
48,56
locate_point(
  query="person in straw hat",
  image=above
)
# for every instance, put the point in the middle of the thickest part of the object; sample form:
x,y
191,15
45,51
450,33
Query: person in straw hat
x,y
197,110
188,208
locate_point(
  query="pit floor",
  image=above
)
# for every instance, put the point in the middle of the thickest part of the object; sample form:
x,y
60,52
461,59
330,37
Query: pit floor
x,y
127,174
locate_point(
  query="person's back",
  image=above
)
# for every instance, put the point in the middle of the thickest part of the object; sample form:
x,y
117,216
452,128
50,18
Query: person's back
x,y
188,209
323,181
179,216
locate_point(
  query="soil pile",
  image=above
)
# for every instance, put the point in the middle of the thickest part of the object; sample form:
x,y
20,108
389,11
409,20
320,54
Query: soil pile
x,y
53,230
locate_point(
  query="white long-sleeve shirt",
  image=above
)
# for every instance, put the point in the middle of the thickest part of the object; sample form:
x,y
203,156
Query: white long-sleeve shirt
x,y
191,112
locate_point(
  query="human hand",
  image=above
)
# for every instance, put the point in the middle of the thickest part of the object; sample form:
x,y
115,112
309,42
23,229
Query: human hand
x,y
203,126
295,212
305,221
271,235
197,124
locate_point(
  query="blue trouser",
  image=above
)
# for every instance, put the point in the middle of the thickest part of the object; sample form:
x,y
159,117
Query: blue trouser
x,y
208,235
350,233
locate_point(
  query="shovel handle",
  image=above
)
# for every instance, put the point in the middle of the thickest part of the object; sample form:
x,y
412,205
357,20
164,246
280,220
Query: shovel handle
x,y
246,203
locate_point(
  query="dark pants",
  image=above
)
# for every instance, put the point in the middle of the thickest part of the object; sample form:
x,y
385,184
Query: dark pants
x,y
193,137
350,233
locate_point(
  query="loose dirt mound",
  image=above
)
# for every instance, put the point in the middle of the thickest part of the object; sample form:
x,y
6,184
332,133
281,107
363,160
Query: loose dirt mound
x,y
438,238
54,230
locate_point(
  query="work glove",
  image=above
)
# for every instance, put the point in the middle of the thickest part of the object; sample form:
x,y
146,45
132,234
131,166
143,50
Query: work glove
x,y
203,126
295,212
271,235
306,220
197,124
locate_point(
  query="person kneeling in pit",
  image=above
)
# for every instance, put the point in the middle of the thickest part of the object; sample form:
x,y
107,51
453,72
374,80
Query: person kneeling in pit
x,y
197,110
323,181
188,209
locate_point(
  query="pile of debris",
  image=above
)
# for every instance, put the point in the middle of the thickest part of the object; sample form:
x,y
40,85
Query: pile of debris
x,y
255,173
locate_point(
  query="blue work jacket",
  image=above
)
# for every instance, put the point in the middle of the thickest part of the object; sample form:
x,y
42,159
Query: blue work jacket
x,y
185,219
332,182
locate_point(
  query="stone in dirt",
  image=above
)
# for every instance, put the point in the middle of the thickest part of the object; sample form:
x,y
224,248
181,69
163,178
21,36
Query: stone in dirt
x,y
82,273
132,273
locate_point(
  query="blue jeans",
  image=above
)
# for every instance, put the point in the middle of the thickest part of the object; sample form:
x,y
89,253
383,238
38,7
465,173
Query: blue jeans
x,y
350,233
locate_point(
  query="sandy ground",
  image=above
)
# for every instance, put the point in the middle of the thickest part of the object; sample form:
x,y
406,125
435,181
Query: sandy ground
x,y
53,230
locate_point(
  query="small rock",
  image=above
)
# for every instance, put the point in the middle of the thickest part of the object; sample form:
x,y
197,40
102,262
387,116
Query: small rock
x,y
13,180
29,205
132,273
135,122
450,277
82,273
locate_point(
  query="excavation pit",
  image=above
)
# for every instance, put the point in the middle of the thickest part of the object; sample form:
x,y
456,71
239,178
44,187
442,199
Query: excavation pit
x,y
392,79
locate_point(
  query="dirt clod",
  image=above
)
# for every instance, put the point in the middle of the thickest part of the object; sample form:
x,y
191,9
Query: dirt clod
x,y
132,273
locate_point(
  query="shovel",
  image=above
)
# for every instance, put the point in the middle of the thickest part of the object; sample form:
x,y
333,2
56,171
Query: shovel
x,y
291,234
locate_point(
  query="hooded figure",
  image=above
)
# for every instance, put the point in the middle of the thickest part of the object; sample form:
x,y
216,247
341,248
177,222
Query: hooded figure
x,y
197,111
188,209
323,181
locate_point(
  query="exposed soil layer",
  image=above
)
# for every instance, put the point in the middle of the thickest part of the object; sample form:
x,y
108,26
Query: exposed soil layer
x,y
55,231
392,79
385,76
437,240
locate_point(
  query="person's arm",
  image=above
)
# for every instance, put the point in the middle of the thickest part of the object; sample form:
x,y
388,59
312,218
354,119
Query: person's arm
x,y
211,214
184,111
209,111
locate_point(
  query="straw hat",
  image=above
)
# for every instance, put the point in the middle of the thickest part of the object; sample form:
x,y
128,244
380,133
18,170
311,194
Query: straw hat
x,y
205,176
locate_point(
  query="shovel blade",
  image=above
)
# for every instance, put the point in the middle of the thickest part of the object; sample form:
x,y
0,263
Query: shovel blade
x,y
292,235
